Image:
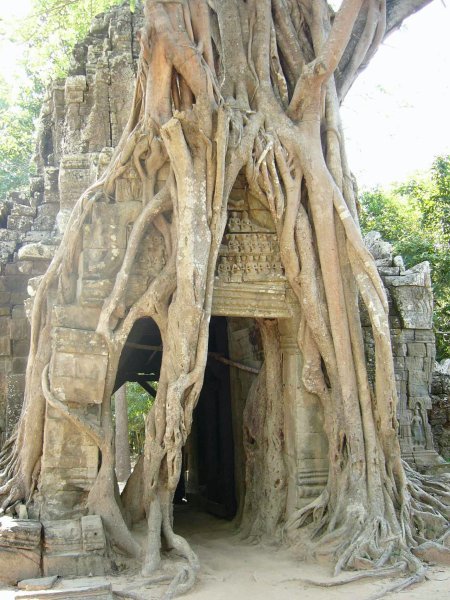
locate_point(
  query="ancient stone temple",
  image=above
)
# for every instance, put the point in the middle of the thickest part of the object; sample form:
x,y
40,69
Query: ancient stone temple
x,y
81,123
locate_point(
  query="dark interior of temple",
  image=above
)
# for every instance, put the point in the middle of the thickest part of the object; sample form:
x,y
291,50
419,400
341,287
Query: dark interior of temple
x,y
208,476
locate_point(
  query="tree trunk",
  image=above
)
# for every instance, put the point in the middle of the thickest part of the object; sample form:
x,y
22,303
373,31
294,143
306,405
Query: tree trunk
x,y
250,86
123,460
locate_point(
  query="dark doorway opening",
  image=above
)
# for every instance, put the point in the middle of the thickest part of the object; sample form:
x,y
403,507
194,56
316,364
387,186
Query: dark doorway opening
x,y
140,360
209,452
208,479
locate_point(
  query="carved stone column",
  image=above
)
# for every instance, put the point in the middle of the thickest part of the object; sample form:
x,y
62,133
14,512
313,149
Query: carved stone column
x,y
306,444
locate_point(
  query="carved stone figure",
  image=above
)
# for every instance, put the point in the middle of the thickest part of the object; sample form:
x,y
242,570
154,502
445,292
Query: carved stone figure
x,y
417,428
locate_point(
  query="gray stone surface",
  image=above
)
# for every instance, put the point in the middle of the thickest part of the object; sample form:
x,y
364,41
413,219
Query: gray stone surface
x,y
440,412
99,591
40,583
20,549
411,310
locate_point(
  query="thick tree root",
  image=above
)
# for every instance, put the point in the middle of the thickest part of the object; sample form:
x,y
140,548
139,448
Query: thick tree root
x,y
378,573
401,585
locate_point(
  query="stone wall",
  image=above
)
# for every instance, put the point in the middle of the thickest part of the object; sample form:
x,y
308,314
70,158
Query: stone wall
x,y
440,412
81,120
410,300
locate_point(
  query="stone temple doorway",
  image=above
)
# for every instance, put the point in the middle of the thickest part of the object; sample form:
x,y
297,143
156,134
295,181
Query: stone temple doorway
x,y
213,457
209,478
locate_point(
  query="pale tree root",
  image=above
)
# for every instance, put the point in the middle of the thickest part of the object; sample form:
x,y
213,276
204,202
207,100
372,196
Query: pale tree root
x,y
393,571
127,595
374,574
160,519
373,544
417,577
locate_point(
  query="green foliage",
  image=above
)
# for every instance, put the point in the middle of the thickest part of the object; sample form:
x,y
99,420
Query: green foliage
x,y
139,403
49,33
17,123
52,30
415,218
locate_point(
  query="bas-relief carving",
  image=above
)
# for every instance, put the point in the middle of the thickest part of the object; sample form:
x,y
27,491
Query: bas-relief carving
x,y
418,428
249,252
104,245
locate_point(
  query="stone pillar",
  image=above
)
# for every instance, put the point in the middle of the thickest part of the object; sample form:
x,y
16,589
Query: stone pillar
x,y
70,457
306,445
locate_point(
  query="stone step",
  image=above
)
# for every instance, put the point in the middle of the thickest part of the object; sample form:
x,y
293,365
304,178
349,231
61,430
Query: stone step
x,y
37,584
101,592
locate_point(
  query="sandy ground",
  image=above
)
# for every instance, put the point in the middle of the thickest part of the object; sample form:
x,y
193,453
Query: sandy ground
x,y
232,570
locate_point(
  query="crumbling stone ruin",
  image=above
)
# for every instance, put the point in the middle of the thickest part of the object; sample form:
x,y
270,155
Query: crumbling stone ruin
x,y
440,411
81,123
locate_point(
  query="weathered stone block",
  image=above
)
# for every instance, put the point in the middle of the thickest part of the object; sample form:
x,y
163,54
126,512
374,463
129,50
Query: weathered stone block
x,y
25,267
424,335
19,365
37,251
94,291
19,223
92,533
18,312
5,346
79,378
18,564
72,317
62,536
20,554
417,388
74,96
41,583
7,250
46,216
100,262
7,235
16,283
23,210
424,401
20,328
78,341
12,268
75,82
75,177
5,298
17,533
414,363
415,305
18,298
74,547
399,349
399,363
98,591
21,347
108,229
5,364
78,365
